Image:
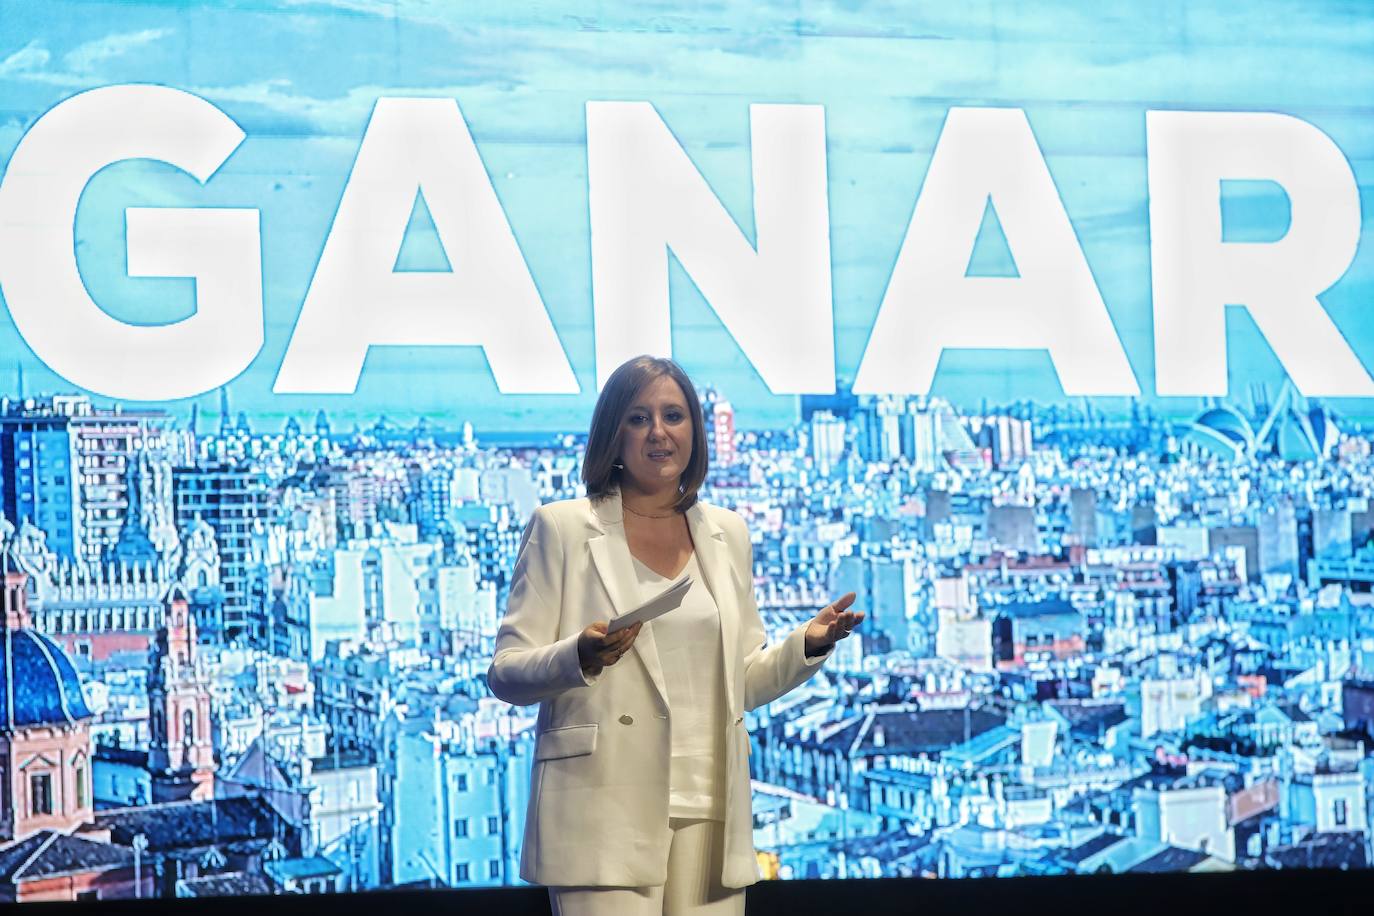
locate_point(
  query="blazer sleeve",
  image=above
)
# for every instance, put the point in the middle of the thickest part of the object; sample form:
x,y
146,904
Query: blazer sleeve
x,y
531,663
769,671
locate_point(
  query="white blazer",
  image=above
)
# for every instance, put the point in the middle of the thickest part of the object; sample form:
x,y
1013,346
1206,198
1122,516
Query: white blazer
x,y
598,809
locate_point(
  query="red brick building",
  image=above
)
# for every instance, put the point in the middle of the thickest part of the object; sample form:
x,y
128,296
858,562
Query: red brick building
x,y
53,866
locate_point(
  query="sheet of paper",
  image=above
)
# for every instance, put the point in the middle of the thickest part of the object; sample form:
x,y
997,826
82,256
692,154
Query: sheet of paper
x,y
656,606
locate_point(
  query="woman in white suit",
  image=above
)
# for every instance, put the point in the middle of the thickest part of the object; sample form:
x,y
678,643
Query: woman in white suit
x,y
640,799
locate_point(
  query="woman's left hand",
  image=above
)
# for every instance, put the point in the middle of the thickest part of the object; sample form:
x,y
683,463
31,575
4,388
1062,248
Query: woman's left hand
x,y
834,622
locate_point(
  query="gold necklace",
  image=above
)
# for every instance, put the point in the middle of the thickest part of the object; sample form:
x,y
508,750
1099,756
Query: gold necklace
x,y
633,511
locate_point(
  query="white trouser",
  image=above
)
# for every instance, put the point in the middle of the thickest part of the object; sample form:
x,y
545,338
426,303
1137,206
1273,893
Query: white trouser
x,y
694,866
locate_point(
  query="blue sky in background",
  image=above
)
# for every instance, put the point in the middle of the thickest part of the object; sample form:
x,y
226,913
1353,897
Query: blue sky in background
x,y
301,79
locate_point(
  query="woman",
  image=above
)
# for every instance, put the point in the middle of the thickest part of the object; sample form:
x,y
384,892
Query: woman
x,y
639,798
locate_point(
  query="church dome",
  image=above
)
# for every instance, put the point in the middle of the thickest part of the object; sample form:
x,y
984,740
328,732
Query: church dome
x,y
40,686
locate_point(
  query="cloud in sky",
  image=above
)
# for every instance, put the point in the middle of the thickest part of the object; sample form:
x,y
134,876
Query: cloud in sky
x,y
31,58
79,66
85,57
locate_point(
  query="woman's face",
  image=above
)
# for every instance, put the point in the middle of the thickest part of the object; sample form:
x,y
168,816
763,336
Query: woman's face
x,y
656,436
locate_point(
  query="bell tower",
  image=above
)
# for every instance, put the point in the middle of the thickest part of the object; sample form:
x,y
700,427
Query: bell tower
x,y
181,753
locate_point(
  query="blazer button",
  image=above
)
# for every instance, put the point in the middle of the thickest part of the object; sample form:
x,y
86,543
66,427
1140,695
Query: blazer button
x,y
627,720
739,719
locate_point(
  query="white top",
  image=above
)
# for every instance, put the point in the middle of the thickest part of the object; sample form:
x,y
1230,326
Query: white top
x,y
692,657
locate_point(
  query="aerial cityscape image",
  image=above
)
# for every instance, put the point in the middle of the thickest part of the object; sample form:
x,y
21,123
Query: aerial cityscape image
x,y
1045,334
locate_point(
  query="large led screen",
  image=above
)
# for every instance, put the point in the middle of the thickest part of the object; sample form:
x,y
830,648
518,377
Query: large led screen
x,y
1044,328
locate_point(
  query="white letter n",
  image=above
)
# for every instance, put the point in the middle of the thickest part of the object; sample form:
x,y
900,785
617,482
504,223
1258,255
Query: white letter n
x,y
648,197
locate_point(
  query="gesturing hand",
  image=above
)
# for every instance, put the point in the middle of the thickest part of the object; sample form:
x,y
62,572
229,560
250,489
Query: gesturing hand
x,y
834,622
596,649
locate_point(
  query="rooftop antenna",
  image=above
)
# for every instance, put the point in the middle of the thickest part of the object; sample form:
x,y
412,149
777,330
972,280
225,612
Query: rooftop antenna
x,y
226,419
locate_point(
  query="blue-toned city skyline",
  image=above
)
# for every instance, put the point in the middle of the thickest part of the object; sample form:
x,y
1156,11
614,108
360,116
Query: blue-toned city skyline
x,y
1093,645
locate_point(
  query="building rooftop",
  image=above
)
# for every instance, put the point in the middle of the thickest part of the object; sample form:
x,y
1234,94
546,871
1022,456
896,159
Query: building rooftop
x,y
177,825
283,870
1087,850
898,777
48,854
902,730
1172,782
1089,718
983,745
233,884
1049,607
344,760
1321,850
1170,859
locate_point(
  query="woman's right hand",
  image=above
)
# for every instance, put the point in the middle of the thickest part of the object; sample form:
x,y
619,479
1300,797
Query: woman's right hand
x,y
596,649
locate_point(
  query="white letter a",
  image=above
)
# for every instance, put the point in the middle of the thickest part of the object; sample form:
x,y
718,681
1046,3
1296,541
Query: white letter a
x,y
355,300
982,154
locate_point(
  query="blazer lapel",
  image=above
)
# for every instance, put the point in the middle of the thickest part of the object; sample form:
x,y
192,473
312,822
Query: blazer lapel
x,y
611,556
713,557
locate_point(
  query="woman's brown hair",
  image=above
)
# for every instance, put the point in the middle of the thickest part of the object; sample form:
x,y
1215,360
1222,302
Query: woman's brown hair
x,y
600,471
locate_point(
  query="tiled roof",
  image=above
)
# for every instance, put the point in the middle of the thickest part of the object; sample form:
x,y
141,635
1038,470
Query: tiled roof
x,y
307,867
1169,859
1321,850
48,854
901,730
178,825
1092,847
39,686
234,884
1089,717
